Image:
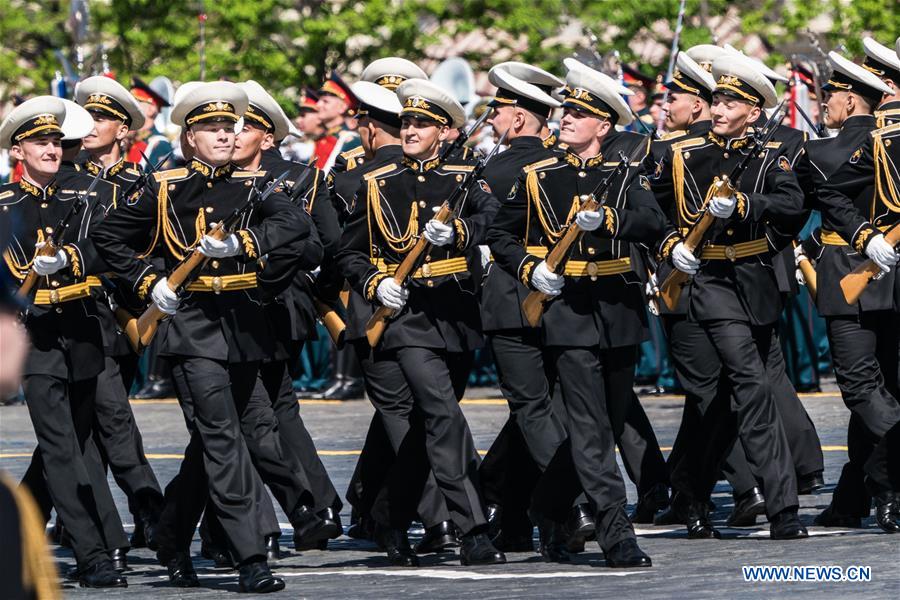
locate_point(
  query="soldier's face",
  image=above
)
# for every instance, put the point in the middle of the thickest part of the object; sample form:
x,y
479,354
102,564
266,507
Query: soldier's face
x,y
835,108
420,138
679,110
107,132
40,155
330,107
579,130
310,123
501,120
213,143
249,143
731,116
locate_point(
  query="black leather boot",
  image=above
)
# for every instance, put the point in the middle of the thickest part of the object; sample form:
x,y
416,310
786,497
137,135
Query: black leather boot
x,y
746,507
477,549
101,575
181,571
652,501
698,525
309,529
786,525
626,555
256,578
440,538
887,511
396,543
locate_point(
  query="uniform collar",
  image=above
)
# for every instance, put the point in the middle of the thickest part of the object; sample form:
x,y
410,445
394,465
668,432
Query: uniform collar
x,y
583,163
389,151
527,141
863,121
35,190
421,166
730,143
208,170
550,140
699,127
93,168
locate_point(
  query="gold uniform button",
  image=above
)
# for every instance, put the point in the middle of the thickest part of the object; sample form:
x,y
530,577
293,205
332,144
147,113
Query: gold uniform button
x,y
247,183
426,270
171,186
428,258
730,232
215,264
209,184
381,183
429,283
421,204
582,174
458,178
48,229
542,175
687,155
209,209
725,155
592,251
54,283
43,205
421,178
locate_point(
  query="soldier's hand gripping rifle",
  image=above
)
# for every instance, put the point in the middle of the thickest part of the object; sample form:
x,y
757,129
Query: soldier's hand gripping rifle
x,y
723,187
533,305
378,321
189,267
51,243
854,283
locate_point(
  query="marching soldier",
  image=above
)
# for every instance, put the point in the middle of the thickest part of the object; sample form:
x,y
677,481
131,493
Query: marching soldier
x,y
860,201
216,333
335,104
592,326
116,113
426,348
66,354
852,94
731,295
521,109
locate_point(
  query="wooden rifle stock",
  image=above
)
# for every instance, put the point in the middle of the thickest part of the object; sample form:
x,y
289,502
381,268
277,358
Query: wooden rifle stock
x,y
809,274
148,322
854,283
332,322
128,323
671,287
31,279
533,305
378,321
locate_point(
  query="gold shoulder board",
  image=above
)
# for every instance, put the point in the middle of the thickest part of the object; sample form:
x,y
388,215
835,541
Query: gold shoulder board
x,y
178,173
379,172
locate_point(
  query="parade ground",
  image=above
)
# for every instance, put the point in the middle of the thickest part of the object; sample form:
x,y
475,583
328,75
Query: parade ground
x,y
355,569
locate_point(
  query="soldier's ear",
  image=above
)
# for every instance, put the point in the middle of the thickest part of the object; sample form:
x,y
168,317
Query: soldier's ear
x,y
122,132
16,152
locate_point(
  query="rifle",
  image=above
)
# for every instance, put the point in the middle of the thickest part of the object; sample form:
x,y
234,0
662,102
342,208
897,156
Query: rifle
x,y
464,136
141,181
51,245
533,305
670,289
378,321
188,268
854,283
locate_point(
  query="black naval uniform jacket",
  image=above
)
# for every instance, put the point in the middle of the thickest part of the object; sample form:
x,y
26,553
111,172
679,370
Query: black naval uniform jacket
x,y
736,279
834,258
71,179
501,292
861,199
123,174
62,320
220,316
287,282
344,187
602,302
392,207
653,163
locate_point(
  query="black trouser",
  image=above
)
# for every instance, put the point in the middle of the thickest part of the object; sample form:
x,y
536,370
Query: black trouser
x,y
62,414
295,437
865,355
429,382
120,442
388,431
213,395
591,381
806,449
743,351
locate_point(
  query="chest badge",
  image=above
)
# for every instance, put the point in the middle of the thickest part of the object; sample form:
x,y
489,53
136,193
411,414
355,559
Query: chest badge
x,y
784,164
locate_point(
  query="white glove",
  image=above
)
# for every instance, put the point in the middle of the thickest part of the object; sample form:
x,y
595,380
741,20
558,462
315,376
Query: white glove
x,y
392,294
48,265
547,282
485,252
881,252
799,255
722,207
164,298
798,275
588,220
684,260
210,246
652,287
437,233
